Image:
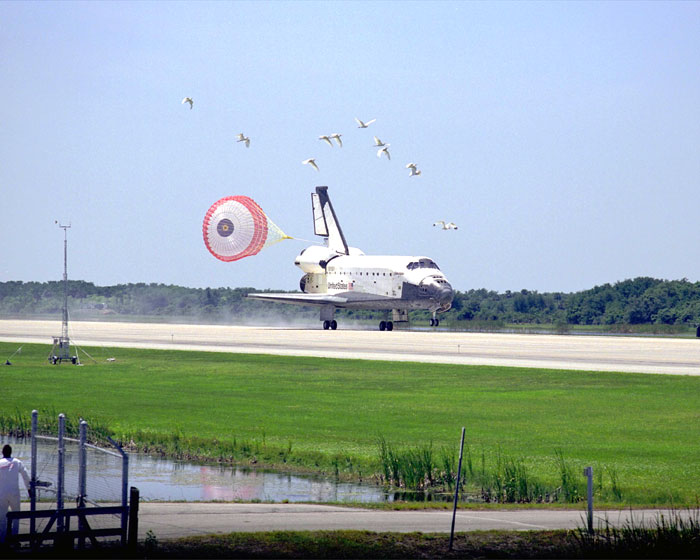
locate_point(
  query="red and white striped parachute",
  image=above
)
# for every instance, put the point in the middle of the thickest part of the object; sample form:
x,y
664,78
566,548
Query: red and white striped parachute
x,y
236,227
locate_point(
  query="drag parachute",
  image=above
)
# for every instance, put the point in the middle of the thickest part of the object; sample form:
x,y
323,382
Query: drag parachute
x,y
236,227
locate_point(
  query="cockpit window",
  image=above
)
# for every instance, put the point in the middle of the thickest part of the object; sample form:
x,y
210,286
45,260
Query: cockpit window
x,y
422,263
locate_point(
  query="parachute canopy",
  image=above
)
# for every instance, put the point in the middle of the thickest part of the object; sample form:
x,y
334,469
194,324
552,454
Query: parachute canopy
x,y
236,227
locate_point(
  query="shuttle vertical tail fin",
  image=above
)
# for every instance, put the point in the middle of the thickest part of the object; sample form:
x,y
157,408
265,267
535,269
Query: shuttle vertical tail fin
x,y
325,222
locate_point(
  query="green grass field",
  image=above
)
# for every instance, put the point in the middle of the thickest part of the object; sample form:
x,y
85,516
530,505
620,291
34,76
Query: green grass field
x,y
640,432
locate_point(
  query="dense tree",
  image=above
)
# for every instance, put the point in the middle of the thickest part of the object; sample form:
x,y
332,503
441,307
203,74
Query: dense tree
x,y
636,301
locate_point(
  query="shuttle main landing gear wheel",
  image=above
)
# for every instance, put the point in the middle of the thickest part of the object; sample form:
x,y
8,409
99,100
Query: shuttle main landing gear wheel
x,y
330,325
434,322
386,326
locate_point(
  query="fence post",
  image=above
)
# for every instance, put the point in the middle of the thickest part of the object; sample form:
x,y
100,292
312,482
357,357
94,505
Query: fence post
x,y
82,478
588,472
125,486
133,538
125,478
459,475
61,469
32,485
125,483
82,465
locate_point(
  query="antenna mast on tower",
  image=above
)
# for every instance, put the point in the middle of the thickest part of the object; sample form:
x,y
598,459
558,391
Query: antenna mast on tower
x,y
63,342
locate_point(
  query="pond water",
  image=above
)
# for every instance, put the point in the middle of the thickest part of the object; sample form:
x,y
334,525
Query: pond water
x,y
165,480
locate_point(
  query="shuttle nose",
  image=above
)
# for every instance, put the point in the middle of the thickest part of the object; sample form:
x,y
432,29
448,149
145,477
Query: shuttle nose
x,y
445,294
442,293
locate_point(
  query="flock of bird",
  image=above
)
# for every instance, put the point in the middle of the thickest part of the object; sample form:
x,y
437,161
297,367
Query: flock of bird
x,y
383,148
328,139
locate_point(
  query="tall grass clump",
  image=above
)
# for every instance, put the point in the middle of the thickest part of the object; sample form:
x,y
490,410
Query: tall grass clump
x,y
571,489
15,424
614,483
510,482
506,479
414,468
419,468
448,468
672,535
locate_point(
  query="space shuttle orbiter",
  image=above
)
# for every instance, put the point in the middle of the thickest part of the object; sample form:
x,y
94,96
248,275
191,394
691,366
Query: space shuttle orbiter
x,y
337,276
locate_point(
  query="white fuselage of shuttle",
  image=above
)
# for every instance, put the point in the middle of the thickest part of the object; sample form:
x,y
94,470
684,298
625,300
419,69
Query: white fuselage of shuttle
x,y
391,282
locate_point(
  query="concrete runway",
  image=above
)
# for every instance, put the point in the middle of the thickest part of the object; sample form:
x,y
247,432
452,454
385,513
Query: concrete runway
x,y
597,353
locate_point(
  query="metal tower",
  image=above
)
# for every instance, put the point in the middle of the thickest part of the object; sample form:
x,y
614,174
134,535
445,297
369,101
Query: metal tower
x,y
61,345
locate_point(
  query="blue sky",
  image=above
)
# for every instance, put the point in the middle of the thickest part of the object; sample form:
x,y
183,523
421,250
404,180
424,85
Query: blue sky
x,y
563,138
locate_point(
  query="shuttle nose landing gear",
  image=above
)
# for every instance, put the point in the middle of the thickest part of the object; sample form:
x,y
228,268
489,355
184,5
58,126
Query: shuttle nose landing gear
x,y
330,325
434,322
386,326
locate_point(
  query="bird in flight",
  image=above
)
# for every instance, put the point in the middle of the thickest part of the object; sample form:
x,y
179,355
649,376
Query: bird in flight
x,y
327,139
337,138
448,225
364,124
245,139
311,162
188,100
378,143
384,150
414,169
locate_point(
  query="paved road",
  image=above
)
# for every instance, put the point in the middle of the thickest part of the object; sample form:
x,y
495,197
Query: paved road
x,y
597,353
174,520
170,520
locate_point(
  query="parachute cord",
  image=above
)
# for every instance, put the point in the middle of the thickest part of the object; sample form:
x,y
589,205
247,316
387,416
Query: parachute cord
x,y
305,240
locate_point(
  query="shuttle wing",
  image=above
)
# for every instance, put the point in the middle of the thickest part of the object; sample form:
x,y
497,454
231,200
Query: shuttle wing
x,y
302,299
350,300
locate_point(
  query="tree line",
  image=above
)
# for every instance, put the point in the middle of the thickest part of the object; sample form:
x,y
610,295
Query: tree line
x,y
637,301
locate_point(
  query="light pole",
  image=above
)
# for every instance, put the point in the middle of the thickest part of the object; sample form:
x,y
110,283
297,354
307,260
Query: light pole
x,y
63,342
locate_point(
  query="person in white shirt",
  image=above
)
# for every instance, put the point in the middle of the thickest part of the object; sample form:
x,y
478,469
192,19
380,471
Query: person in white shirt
x,y
10,471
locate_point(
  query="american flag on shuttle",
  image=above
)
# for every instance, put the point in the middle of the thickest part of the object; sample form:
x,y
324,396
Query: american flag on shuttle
x,y
350,285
